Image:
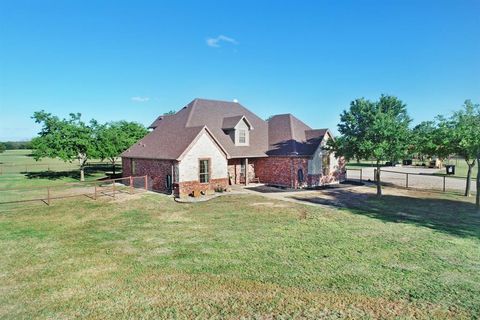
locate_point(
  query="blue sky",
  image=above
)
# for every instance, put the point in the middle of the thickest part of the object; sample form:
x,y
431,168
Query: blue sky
x,y
113,60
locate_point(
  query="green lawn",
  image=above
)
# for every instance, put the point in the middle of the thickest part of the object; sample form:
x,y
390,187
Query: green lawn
x,y
22,161
145,256
18,169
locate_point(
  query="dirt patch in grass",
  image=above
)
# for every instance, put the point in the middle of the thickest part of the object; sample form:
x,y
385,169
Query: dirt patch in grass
x,y
269,204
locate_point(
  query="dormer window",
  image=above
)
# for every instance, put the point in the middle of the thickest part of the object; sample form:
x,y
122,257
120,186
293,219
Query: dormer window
x,y
238,128
242,136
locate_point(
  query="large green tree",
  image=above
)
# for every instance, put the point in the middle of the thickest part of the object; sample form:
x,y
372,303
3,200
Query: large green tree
x,y
465,126
376,130
423,143
2,147
115,137
67,139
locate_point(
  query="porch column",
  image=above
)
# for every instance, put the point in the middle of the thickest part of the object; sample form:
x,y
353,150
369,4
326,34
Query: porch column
x,y
246,171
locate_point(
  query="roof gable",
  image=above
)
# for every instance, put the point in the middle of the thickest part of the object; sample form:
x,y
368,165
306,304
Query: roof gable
x,y
289,136
173,134
230,123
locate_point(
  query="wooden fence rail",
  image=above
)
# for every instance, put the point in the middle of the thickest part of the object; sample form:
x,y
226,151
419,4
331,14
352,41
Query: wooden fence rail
x,y
91,189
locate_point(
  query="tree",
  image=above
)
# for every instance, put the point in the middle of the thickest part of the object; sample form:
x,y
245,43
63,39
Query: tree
x,y
2,147
374,130
115,137
423,140
466,137
67,139
169,113
433,138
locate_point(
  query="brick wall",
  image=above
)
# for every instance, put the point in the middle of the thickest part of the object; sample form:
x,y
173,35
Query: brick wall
x,y
156,170
283,171
280,171
186,188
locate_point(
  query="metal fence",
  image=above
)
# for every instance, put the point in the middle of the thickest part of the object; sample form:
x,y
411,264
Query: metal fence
x,y
92,189
409,180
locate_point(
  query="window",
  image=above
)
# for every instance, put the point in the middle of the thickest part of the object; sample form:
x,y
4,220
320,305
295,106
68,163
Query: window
x,y
326,164
242,136
134,171
204,171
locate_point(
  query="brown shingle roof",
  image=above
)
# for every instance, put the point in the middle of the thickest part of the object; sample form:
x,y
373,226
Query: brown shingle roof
x,y
282,135
157,121
231,122
288,135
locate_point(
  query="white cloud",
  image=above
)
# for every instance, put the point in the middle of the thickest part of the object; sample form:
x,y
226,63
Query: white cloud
x,y
215,42
139,99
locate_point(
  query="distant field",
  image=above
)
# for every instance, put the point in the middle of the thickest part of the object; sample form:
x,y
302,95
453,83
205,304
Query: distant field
x,y
19,169
22,162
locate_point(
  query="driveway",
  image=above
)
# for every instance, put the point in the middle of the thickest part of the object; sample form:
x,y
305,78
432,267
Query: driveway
x,y
418,178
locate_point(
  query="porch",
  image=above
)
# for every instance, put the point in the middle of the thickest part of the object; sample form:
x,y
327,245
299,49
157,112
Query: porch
x,y
241,171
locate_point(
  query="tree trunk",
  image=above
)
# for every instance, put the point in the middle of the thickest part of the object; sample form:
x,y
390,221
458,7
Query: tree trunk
x,y
82,158
377,178
113,165
477,202
469,177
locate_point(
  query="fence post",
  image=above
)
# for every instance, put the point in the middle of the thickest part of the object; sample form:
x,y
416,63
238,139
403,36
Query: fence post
x,y
48,195
444,178
361,174
95,194
407,180
131,185
146,183
114,189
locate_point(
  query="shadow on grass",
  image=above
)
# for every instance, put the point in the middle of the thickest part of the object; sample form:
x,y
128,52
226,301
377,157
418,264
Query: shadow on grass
x,y
451,216
73,174
278,189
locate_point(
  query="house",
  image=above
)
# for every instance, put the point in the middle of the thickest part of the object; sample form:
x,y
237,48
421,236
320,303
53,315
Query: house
x,y
211,144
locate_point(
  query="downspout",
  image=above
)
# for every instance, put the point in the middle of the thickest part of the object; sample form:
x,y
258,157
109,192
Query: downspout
x,y
292,183
173,179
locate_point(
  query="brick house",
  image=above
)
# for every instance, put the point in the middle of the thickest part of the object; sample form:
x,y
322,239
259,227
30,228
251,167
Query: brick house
x,y
211,144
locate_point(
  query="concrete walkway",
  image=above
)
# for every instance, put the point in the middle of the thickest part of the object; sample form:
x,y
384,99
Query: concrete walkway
x,y
288,195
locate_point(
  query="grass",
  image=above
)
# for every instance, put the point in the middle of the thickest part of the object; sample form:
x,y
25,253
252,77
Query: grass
x,y
407,255
22,161
19,169
236,256
461,168
13,176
